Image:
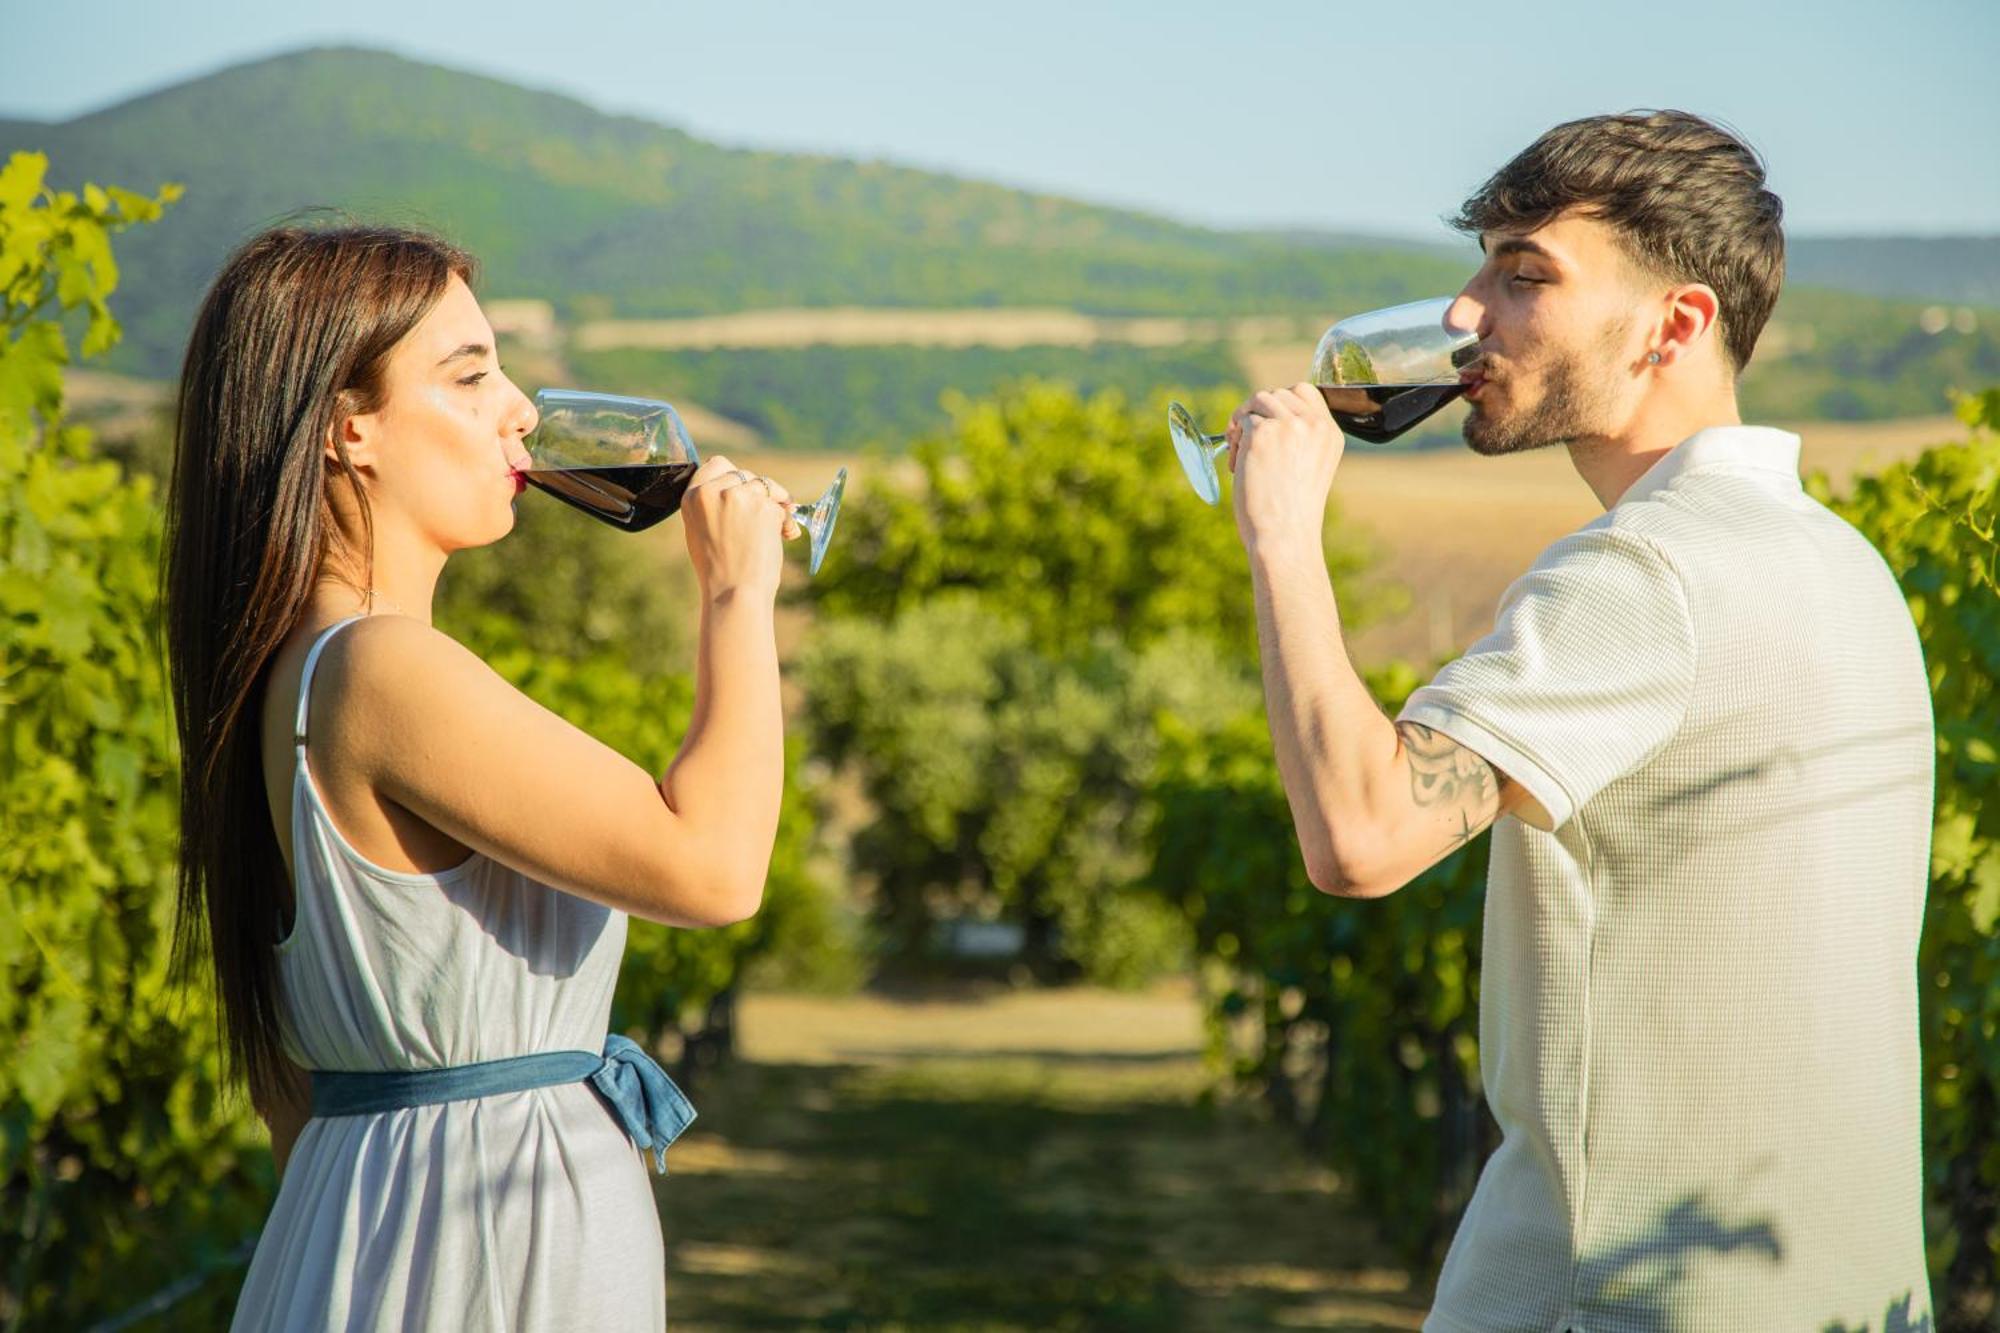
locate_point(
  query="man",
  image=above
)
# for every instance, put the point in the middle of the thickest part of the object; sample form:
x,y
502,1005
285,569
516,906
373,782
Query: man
x,y
1700,731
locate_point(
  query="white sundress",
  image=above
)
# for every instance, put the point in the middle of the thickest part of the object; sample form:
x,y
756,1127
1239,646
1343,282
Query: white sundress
x,y
522,1211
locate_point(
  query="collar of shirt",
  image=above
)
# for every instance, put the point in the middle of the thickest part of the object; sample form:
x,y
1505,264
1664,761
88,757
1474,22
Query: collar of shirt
x,y
1770,453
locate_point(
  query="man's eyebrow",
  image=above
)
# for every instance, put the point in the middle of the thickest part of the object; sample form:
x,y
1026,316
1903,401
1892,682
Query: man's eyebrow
x,y
1516,245
466,349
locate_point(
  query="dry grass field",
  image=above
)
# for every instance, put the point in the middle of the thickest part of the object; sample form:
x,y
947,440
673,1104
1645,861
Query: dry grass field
x,y
1448,527
854,326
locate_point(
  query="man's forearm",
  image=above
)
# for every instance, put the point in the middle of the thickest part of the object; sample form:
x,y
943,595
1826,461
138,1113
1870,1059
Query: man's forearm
x,y
1333,743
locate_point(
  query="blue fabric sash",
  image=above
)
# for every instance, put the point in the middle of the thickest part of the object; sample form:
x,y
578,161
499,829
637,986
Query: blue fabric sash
x,y
638,1092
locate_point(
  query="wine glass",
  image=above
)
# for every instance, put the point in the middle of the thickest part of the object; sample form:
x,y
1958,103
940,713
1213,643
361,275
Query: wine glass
x,y
1381,373
628,462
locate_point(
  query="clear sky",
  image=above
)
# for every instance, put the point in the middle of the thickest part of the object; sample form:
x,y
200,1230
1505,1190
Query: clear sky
x,y
1875,117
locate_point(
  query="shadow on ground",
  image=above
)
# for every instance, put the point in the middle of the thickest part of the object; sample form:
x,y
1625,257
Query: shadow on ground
x,y
950,1192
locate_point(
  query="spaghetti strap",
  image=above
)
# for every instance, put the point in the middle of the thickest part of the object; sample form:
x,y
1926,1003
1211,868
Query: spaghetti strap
x,y
306,676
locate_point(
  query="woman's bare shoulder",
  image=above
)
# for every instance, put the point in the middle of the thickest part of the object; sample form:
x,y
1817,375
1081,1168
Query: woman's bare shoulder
x,y
388,676
389,653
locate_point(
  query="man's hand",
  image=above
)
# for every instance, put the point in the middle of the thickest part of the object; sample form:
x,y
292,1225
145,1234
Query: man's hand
x,y
1284,448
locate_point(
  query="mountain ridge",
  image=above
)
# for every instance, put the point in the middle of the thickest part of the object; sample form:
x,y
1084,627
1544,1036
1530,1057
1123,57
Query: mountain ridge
x,y
611,216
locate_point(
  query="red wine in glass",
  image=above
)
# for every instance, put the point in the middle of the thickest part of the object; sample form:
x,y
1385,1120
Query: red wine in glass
x,y
631,498
1381,373
1388,410
629,462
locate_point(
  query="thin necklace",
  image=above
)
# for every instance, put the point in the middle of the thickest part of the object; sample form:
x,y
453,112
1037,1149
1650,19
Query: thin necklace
x,y
374,597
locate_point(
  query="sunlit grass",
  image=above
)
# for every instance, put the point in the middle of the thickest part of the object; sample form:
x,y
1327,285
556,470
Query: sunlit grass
x,y
1042,1187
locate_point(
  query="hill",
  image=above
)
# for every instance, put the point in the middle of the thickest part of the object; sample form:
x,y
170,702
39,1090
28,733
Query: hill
x,y
875,287
609,215
1962,270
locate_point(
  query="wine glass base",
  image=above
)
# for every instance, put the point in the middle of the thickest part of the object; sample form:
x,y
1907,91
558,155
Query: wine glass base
x,y
1196,454
825,513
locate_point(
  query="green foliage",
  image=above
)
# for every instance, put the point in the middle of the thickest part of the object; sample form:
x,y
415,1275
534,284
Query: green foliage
x,y
1070,515
846,397
1004,780
995,643
565,586
1839,357
1357,1021
56,251
1933,521
122,1162
1971,503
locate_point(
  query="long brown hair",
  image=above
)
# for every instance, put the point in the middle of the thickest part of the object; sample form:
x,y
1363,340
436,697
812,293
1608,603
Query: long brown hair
x,y
292,338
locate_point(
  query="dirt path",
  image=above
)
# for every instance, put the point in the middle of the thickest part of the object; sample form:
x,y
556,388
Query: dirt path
x,y
1040,1160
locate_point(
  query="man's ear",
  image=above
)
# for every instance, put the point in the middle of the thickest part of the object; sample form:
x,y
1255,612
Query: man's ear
x,y
1690,317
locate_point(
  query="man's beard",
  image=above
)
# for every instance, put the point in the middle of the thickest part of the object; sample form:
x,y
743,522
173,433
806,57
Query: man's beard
x,y
1565,411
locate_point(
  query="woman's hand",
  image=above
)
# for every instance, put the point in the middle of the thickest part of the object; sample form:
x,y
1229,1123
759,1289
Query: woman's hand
x,y
736,523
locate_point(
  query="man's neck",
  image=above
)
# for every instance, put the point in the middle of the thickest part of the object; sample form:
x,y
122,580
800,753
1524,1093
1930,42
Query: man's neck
x,y
1609,464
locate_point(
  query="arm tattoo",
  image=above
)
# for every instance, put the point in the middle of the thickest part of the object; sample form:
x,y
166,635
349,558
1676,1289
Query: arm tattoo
x,y
1445,775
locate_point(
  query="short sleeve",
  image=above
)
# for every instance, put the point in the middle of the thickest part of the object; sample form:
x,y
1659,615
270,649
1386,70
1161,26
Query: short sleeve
x,y
1586,675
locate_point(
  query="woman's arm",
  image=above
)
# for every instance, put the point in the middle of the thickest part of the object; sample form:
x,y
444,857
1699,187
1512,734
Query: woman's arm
x,y
431,727
728,779
726,783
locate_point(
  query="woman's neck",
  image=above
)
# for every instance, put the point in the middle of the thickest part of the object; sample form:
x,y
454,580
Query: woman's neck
x,y
385,585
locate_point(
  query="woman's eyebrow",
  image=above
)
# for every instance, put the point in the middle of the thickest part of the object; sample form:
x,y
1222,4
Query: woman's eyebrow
x,y
465,350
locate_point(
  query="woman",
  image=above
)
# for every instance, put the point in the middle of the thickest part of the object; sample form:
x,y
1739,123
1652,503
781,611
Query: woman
x,y
402,863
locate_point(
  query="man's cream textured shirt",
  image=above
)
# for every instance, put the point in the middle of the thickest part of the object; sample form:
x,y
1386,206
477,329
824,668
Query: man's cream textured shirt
x,y
1698,1011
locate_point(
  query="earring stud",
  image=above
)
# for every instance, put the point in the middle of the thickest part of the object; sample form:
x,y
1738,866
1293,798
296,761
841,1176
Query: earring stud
x,y
1653,358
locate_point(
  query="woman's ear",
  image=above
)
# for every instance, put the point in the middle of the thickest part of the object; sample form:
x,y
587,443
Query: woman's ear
x,y
355,434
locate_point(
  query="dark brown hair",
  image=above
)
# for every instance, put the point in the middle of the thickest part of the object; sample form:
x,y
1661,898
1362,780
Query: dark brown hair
x,y
1686,195
293,336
